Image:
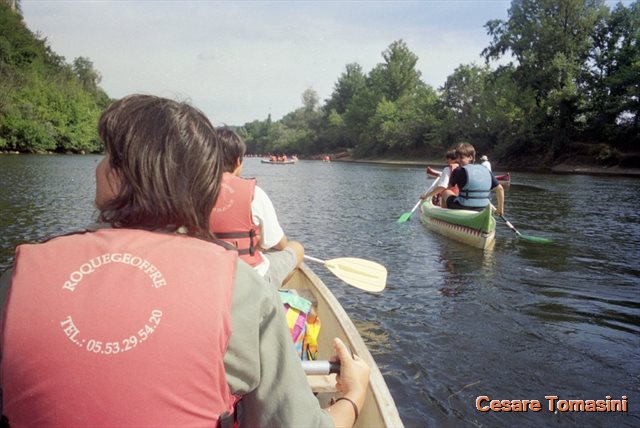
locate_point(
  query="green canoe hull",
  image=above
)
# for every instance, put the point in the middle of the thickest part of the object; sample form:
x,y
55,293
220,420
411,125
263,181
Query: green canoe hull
x,y
474,228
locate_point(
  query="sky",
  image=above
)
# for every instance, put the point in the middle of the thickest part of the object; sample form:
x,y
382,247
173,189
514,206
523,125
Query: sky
x,y
243,60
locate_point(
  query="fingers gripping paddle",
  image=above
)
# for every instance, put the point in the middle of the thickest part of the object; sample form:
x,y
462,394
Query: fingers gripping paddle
x,y
406,216
363,274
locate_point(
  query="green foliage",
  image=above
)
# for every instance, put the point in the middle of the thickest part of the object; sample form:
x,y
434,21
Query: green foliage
x,y
45,104
573,79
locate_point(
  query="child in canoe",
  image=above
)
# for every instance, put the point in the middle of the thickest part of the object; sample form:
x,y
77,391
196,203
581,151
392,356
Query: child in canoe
x,y
244,216
442,183
475,183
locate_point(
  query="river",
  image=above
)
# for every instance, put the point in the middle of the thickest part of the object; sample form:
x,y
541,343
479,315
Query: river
x,y
519,321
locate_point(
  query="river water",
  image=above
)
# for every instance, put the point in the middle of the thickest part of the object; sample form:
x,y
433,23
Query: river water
x,y
519,321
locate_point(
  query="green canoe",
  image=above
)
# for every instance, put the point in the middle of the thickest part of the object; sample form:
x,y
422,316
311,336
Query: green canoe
x,y
474,228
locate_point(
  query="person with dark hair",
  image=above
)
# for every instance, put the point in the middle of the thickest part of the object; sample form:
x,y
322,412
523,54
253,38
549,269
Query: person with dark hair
x,y
146,321
244,216
442,182
475,184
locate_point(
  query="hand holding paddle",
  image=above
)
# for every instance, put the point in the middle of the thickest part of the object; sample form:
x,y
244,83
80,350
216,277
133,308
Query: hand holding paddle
x,y
363,274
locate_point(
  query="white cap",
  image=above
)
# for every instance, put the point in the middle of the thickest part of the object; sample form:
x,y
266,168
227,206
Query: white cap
x,y
484,157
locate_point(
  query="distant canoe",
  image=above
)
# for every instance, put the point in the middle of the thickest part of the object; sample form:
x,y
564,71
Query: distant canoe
x,y
287,162
504,179
474,228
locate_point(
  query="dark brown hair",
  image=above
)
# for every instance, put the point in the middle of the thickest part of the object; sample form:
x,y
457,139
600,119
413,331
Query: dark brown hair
x,y
451,154
168,159
233,148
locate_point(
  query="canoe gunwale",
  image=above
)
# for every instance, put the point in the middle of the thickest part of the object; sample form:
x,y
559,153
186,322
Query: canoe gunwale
x,y
377,389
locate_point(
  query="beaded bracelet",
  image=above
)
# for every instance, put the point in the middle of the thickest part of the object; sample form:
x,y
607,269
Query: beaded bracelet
x,y
355,407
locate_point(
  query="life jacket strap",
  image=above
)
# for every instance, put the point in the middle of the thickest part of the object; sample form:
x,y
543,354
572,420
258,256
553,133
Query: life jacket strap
x,y
237,235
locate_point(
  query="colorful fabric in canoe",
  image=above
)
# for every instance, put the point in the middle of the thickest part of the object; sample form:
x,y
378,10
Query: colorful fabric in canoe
x,y
303,324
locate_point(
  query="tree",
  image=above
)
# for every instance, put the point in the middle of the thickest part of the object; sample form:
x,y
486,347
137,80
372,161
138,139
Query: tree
x,y
550,42
350,83
45,103
310,99
397,75
88,76
610,82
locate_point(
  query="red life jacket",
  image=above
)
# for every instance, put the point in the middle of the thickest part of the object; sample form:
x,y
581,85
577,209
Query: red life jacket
x,y
231,219
118,327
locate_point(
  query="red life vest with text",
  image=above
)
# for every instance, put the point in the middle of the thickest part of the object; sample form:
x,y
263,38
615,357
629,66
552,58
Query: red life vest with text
x,y
118,327
231,218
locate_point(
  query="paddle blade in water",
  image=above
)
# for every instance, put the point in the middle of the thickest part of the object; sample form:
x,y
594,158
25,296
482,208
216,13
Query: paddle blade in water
x,y
363,274
535,239
404,218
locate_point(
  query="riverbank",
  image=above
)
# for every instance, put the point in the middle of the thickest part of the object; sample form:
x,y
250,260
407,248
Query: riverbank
x,y
558,169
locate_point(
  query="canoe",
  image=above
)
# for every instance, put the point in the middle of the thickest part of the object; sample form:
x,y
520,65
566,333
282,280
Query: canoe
x,y
474,228
287,162
379,409
504,179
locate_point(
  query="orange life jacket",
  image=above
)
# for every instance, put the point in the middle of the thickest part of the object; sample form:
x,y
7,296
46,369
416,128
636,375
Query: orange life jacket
x,y
231,218
118,327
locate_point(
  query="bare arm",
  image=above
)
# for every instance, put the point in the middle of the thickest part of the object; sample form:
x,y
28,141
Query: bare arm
x,y
500,197
435,191
282,244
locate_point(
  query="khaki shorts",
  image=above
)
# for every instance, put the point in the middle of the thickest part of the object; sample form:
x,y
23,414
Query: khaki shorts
x,y
281,264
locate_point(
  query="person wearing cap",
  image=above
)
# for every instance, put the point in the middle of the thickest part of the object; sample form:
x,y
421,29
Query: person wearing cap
x,y
485,162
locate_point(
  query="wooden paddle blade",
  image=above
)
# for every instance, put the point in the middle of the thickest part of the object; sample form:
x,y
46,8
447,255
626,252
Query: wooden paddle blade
x,y
363,274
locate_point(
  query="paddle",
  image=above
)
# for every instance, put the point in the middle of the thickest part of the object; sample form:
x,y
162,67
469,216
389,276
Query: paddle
x,y
363,274
320,367
407,216
520,235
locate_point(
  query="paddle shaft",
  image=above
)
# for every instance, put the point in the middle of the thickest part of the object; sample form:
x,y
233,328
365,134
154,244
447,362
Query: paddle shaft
x,y
313,259
520,235
320,367
509,225
416,206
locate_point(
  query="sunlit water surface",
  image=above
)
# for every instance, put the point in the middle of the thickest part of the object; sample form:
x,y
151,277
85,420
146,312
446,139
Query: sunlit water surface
x,y
520,321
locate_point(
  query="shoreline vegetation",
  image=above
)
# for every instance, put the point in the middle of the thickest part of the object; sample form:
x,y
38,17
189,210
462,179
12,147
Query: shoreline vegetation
x,y
577,169
565,168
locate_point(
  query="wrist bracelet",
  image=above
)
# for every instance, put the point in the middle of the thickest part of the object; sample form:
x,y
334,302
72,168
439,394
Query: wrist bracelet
x,y
355,407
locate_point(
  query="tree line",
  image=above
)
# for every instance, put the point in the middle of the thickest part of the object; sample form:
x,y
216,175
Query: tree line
x,y
566,88
561,81
46,104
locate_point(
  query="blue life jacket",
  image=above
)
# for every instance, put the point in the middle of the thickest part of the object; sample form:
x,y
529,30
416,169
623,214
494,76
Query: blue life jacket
x,y
478,188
